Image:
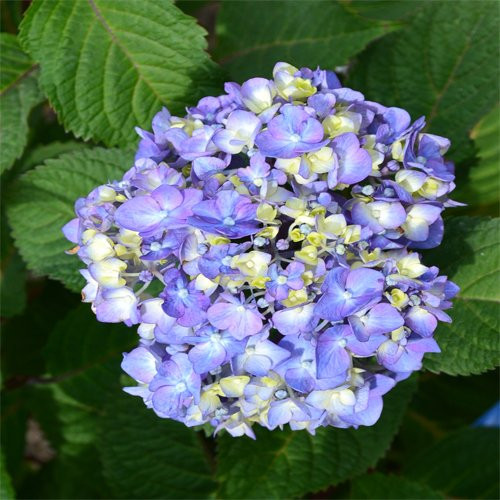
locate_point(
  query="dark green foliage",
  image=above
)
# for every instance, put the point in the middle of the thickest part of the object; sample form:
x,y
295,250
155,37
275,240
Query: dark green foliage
x,y
481,187
469,256
252,37
101,67
135,446
19,93
42,200
379,486
439,66
153,54
466,464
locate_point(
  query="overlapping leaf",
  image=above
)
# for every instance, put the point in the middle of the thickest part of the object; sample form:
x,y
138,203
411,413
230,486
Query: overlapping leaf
x,y
469,256
42,201
252,37
482,187
439,66
289,464
108,66
147,457
85,370
19,93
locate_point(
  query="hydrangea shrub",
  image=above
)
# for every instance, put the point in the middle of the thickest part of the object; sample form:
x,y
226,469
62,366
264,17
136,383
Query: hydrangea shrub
x,y
267,246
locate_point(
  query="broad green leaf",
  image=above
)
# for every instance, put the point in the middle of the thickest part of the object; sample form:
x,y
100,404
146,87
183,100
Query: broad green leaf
x,y
482,187
108,66
439,66
6,489
379,486
19,93
144,456
36,156
42,201
383,9
83,356
289,464
252,36
76,452
462,465
469,257
83,362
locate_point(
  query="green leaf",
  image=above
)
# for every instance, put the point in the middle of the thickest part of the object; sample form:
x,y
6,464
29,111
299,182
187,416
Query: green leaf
x,y
42,201
460,402
145,456
289,464
439,66
83,356
83,359
83,363
77,454
49,302
6,489
108,66
19,93
383,9
253,37
36,156
469,256
379,486
483,184
462,465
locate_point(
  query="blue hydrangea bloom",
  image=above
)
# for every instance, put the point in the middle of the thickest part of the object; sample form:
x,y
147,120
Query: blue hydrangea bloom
x,y
265,247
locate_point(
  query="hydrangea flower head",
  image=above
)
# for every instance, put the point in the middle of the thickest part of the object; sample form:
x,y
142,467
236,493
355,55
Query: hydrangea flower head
x,y
265,246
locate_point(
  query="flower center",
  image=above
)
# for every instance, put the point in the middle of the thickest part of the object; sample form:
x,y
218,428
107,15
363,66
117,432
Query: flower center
x,y
228,221
280,394
306,363
295,137
180,387
215,337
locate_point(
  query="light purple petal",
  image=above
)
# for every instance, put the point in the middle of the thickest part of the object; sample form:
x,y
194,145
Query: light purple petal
x,y
207,356
71,230
421,321
332,358
140,364
296,320
141,213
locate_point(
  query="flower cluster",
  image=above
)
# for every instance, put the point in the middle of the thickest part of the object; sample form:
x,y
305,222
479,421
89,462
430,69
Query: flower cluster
x,y
264,244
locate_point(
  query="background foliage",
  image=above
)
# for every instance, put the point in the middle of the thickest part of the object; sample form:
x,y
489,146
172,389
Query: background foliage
x,y
76,76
